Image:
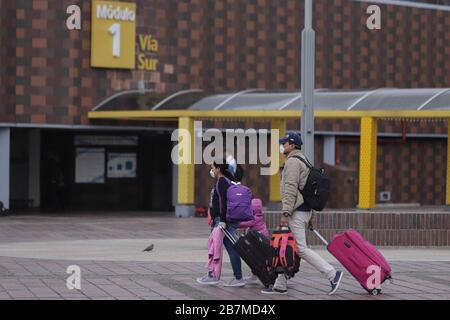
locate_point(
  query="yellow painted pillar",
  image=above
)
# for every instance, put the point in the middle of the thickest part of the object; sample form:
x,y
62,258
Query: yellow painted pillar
x,y
447,189
367,163
274,194
186,166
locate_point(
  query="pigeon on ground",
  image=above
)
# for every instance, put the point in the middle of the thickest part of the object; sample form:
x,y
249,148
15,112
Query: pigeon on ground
x,y
149,248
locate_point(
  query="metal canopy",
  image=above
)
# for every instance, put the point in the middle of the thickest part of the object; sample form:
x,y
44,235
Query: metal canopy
x,y
388,99
132,100
380,99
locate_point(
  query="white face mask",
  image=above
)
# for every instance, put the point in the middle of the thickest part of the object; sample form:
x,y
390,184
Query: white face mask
x,y
281,149
212,174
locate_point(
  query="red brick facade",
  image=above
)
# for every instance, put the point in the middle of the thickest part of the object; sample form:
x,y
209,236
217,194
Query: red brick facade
x,y
214,45
229,45
405,228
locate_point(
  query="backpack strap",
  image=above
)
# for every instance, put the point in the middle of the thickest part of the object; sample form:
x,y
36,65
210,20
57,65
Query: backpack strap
x,y
275,243
293,243
305,161
216,187
218,193
284,242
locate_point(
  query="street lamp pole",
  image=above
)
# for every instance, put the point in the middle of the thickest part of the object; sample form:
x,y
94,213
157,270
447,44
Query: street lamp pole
x,y
307,83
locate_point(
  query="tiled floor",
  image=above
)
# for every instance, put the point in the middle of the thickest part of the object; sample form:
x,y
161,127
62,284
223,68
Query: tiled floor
x,y
41,279
28,278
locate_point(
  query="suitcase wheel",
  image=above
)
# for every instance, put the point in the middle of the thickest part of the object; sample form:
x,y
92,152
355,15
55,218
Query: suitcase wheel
x,y
375,292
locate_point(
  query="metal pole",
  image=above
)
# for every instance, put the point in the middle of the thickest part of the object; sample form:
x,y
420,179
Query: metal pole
x,y
307,83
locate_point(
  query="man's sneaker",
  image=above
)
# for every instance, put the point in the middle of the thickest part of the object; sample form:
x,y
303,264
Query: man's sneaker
x,y
235,283
336,282
272,290
207,280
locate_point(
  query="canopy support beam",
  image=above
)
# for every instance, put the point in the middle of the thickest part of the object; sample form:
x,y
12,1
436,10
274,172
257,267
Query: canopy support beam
x,y
447,189
274,194
367,163
186,167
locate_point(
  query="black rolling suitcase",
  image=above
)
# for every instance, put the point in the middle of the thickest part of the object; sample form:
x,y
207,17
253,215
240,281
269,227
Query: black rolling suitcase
x,y
254,248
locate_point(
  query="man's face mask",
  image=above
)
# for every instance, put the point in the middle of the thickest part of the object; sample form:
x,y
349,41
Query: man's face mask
x,y
212,173
281,149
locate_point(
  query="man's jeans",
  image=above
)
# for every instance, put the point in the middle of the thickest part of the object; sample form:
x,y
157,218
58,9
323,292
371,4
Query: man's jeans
x,y
234,256
298,224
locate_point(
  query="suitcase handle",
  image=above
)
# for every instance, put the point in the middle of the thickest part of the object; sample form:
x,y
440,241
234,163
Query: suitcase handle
x,y
283,228
229,235
320,237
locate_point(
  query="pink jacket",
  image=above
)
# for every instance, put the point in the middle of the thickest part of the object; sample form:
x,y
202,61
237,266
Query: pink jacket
x,y
258,223
215,251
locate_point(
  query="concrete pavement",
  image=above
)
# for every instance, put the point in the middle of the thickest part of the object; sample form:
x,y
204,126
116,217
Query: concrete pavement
x,y
179,250
35,252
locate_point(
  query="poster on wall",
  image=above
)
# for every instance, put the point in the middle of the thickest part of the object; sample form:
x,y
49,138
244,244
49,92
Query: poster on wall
x,y
122,165
90,165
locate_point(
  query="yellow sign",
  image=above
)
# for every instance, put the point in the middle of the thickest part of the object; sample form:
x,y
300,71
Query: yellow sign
x,y
147,44
113,34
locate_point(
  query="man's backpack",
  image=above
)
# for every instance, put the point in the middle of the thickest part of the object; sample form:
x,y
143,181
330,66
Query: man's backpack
x,y
317,188
285,258
239,202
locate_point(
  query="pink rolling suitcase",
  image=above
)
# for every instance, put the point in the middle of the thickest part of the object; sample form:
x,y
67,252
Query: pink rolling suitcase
x,y
360,258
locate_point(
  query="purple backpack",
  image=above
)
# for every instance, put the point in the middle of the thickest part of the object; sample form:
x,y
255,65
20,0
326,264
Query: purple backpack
x,y
239,202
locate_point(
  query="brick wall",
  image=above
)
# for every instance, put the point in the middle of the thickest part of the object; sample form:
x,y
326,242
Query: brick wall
x,y
215,45
414,172
380,228
228,45
7,54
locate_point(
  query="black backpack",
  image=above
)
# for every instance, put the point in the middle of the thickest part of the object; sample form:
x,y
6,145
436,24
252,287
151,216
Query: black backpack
x,y
317,188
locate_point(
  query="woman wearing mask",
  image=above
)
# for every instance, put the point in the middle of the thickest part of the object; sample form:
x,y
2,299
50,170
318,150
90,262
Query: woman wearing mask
x,y
223,177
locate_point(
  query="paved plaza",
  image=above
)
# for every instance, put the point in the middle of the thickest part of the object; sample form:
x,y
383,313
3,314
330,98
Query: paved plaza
x,y
36,250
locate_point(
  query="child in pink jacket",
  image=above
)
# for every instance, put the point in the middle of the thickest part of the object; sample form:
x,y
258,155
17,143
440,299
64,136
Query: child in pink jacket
x,y
258,224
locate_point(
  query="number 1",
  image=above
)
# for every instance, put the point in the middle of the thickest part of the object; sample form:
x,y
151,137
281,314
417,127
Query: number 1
x,y
114,30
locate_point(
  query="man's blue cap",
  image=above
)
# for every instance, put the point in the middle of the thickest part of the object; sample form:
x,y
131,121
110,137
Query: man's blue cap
x,y
293,137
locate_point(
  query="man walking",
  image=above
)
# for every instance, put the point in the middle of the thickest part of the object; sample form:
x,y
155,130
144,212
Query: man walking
x,y
297,214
